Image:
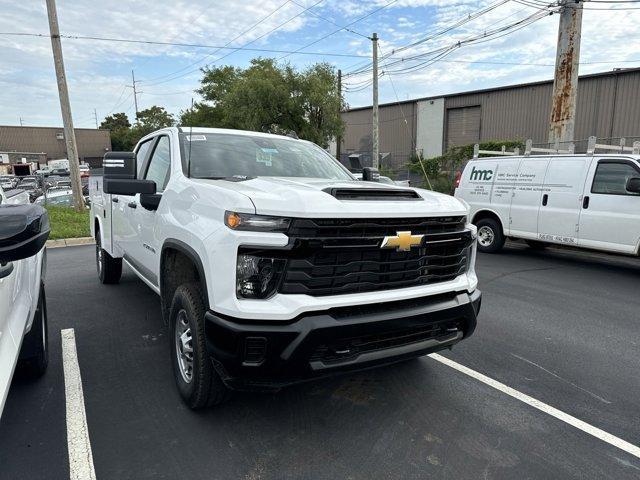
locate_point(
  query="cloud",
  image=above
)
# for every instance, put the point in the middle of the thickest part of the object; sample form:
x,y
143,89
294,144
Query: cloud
x,y
98,71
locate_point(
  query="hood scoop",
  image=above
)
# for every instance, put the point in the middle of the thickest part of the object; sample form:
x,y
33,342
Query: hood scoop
x,y
388,194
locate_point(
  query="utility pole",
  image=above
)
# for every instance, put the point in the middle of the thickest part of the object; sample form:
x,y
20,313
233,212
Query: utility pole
x,y
339,138
95,116
376,144
135,93
21,122
63,92
565,85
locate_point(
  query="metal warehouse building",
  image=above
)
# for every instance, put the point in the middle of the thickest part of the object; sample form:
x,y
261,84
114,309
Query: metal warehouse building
x,y
41,144
608,107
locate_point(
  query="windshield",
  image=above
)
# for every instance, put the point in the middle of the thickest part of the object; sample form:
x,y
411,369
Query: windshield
x,y
227,155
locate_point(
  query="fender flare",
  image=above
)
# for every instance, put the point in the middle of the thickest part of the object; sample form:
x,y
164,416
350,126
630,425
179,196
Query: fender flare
x,y
99,220
488,210
188,251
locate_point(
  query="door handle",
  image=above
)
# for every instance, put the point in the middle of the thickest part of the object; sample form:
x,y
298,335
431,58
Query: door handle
x,y
132,205
115,199
545,199
585,202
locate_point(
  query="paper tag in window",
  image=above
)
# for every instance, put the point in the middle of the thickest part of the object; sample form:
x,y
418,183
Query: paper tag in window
x,y
195,138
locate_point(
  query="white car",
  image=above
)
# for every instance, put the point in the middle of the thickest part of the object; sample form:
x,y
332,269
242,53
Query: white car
x,y
588,201
275,265
24,229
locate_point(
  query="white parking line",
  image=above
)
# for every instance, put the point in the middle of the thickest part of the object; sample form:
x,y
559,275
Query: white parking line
x,y
543,407
78,444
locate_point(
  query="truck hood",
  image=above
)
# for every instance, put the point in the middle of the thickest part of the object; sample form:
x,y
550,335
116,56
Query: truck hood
x,y
306,197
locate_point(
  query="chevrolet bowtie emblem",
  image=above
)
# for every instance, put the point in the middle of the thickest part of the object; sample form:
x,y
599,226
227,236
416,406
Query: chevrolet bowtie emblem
x,y
402,242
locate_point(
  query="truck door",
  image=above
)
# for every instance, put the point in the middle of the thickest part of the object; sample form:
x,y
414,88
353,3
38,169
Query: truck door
x,y
610,217
146,252
125,233
561,200
527,195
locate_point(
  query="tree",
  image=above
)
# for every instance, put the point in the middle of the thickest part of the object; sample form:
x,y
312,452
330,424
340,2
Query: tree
x,y
266,97
124,136
118,125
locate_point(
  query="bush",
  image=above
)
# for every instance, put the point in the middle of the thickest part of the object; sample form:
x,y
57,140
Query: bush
x,y
440,170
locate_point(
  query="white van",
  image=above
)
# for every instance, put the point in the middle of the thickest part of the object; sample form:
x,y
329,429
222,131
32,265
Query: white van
x,y
589,201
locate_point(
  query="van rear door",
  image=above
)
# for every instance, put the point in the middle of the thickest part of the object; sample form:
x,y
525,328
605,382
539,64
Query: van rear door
x,y
562,199
610,218
527,196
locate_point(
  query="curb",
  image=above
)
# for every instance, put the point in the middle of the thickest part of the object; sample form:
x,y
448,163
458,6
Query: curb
x,y
70,242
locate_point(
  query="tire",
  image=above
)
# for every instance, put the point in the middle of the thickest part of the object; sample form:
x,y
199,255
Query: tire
x,y
109,268
536,245
490,236
198,382
34,354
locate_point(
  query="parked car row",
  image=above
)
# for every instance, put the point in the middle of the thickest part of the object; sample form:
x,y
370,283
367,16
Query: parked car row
x,y
47,189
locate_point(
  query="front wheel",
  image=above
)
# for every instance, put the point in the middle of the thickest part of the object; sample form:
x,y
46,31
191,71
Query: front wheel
x,y
34,354
490,236
197,381
109,268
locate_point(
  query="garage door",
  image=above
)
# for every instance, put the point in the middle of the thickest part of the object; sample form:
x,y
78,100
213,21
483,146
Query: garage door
x,y
463,126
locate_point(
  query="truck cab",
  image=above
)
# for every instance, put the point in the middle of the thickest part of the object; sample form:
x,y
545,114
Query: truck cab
x,y
275,265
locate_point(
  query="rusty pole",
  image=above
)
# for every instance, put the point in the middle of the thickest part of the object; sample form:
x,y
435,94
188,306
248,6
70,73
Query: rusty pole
x,y
565,85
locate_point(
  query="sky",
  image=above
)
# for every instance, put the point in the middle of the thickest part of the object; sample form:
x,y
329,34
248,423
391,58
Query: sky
x,y
99,72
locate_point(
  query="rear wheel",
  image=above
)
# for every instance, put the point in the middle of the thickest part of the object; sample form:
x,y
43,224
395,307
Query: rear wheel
x,y
197,380
490,236
109,268
34,354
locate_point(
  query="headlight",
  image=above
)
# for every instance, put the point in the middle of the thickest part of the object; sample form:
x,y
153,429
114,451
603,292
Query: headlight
x,y
256,223
257,277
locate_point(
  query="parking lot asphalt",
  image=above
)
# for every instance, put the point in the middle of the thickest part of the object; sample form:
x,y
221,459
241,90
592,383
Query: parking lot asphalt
x,y
560,326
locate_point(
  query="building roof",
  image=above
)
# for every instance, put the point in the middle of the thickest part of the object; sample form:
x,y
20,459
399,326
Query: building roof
x,y
621,71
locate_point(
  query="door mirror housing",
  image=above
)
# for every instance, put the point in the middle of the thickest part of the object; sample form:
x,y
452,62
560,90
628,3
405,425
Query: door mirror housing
x,y
24,230
150,201
370,174
633,185
120,171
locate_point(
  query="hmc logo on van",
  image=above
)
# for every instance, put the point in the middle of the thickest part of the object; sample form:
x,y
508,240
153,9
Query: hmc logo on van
x,y
481,174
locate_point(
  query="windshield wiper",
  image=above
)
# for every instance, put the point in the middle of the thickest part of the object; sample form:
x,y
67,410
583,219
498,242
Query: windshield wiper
x,y
233,178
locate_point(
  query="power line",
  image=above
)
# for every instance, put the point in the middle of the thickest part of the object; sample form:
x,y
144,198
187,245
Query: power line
x,y
189,45
332,22
243,47
341,28
217,49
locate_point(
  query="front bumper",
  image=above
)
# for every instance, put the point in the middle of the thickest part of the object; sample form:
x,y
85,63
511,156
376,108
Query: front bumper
x,y
266,355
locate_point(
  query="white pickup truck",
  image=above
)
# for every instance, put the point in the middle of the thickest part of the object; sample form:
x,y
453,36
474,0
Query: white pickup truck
x,y
24,229
275,265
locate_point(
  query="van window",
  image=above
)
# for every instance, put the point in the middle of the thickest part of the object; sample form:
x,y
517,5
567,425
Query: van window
x,y
160,164
611,178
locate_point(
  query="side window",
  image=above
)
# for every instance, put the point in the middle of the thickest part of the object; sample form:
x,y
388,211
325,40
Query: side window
x,y
141,154
611,178
160,164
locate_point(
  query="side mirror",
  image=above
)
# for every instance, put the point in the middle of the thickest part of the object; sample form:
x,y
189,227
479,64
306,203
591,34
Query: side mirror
x,y
120,171
150,201
24,230
370,174
633,185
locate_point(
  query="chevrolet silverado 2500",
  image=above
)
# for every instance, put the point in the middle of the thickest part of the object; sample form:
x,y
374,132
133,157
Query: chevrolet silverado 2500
x,y
275,265
24,229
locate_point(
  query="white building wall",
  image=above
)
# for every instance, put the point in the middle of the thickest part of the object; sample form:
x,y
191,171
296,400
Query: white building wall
x,y
430,127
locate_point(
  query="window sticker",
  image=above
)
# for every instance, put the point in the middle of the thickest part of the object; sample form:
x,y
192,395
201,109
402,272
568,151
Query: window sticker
x,y
195,138
264,155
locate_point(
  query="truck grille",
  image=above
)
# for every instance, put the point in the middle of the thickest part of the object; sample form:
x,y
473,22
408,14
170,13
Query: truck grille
x,y
344,256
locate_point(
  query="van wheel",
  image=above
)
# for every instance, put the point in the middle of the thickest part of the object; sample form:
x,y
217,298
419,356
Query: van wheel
x,y
197,380
34,354
109,268
490,236
536,245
